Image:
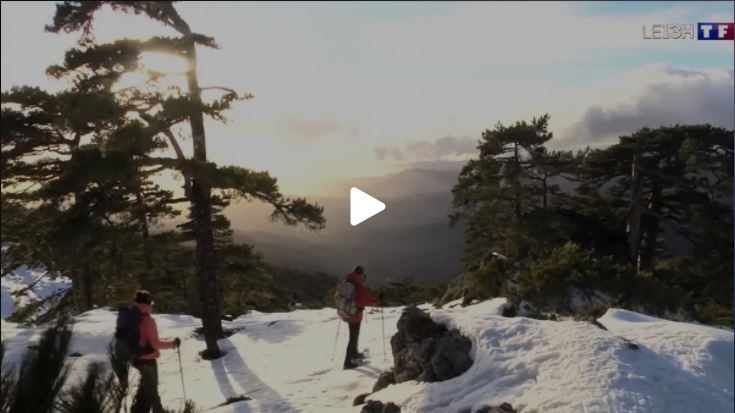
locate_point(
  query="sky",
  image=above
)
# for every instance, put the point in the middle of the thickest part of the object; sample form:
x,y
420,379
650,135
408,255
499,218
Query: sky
x,y
348,89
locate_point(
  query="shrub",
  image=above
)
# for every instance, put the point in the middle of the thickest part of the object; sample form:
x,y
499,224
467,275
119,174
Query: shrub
x,y
95,394
43,371
550,283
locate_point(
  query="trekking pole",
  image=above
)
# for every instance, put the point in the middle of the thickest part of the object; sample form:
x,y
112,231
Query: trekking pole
x,y
336,336
181,371
382,324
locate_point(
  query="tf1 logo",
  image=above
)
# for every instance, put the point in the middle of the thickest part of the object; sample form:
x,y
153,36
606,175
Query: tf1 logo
x,y
715,31
705,31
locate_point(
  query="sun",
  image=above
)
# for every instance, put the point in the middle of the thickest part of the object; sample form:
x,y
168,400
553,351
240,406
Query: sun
x,y
163,63
165,69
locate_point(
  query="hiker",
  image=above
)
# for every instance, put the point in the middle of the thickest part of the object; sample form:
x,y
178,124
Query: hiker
x,y
363,298
147,397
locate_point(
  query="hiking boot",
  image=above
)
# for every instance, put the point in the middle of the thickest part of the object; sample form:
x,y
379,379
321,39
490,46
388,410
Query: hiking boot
x,y
350,365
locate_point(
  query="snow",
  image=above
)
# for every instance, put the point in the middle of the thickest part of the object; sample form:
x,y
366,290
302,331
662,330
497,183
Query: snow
x,y
284,362
43,287
566,366
704,353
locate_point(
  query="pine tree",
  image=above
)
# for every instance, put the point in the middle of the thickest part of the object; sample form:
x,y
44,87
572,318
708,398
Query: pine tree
x,y
201,177
676,178
497,191
70,156
671,188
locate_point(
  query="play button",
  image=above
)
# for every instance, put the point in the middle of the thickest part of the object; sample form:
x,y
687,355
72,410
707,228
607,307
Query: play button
x,y
363,206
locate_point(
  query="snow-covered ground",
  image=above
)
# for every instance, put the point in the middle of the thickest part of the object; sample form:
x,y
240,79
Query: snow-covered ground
x,y
284,362
16,293
570,366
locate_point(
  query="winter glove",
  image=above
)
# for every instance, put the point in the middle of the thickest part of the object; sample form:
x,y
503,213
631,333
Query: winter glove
x,y
177,342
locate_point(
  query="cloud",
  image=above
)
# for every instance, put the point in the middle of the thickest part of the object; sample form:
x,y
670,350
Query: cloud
x,y
311,130
442,148
389,152
389,76
676,96
478,34
436,165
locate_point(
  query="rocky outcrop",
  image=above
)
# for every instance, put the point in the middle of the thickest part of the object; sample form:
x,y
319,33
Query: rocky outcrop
x,y
375,406
426,351
502,408
360,399
423,351
384,380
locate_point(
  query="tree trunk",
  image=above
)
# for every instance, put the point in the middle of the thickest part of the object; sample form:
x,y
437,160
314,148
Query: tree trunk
x,y
634,213
77,290
200,197
651,229
193,309
144,277
87,285
546,190
208,282
82,286
202,209
518,182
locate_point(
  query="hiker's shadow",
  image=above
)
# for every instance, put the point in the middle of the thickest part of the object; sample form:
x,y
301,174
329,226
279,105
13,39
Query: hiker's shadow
x,y
233,367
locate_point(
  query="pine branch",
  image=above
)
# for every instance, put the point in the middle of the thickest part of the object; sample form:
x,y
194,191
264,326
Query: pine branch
x,y
30,286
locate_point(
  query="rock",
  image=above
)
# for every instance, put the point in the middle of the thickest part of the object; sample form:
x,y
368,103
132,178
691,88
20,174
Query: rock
x,y
426,351
503,408
598,324
373,406
384,380
416,325
509,311
452,357
391,407
236,399
233,400
630,344
360,399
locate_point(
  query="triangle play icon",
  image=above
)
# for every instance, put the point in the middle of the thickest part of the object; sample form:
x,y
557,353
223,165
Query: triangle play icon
x,y
363,206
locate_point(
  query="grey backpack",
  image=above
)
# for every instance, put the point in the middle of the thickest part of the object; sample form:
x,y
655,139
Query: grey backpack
x,y
344,299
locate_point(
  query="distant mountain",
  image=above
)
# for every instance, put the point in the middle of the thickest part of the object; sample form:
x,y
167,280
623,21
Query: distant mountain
x,y
429,254
406,183
411,238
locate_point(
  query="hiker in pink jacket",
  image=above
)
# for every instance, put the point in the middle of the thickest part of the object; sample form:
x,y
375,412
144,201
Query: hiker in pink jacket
x,y
147,397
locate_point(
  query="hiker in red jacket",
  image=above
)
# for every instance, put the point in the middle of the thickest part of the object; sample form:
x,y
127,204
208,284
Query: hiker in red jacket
x,y
147,397
363,298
